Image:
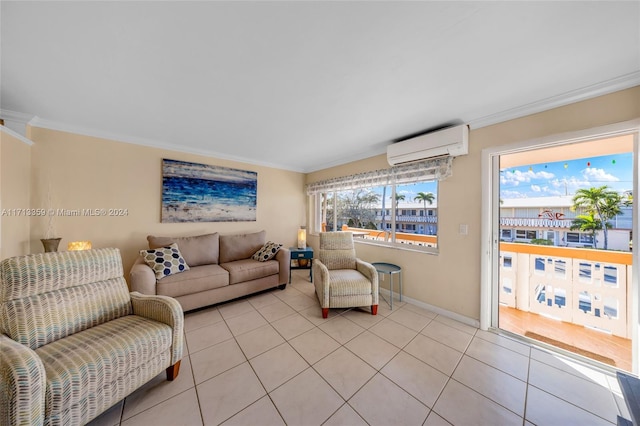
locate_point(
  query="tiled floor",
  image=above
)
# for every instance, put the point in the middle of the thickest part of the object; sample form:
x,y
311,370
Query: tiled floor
x,y
271,359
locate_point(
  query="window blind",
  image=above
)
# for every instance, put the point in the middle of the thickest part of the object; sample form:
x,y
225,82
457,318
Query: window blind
x,y
431,169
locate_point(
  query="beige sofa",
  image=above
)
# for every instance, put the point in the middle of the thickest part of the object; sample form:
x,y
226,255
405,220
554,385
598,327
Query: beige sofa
x,y
221,268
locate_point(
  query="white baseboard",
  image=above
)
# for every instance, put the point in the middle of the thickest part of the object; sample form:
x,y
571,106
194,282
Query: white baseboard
x,y
445,313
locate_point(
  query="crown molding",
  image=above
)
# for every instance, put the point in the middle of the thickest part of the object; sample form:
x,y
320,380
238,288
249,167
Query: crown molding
x,y
151,143
20,117
16,135
604,88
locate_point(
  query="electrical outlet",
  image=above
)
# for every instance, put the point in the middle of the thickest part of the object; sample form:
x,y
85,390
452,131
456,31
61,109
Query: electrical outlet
x,y
463,229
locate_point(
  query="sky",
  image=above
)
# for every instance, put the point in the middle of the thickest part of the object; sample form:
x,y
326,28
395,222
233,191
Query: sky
x,y
547,179
565,177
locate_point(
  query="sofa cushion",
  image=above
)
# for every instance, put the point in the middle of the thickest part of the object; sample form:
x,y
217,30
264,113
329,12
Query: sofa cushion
x,y
197,279
198,250
267,251
81,365
348,282
240,246
249,269
165,261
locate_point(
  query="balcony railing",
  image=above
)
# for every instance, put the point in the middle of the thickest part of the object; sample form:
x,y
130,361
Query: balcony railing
x,y
581,286
401,237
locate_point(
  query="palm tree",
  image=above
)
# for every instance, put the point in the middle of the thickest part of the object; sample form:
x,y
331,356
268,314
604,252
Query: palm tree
x,y
399,197
425,197
587,223
602,203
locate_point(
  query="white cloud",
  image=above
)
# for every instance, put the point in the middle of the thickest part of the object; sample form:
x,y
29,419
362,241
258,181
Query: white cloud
x,y
515,177
512,194
594,174
536,188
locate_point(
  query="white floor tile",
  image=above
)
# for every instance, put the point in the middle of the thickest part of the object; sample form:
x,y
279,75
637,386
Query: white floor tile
x,y
228,393
341,329
450,336
499,357
210,335
393,332
345,372
259,341
314,345
435,420
592,397
216,359
245,322
382,402
422,381
276,311
306,399
435,354
278,365
261,412
158,390
345,416
409,319
373,349
546,409
233,309
460,405
292,326
194,320
182,409
496,385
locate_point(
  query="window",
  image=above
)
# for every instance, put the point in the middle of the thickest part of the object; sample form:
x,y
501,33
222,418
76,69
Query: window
x,y
524,234
396,206
506,234
579,238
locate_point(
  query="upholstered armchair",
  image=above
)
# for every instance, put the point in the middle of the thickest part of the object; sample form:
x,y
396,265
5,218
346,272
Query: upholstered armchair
x,y
341,279
74,341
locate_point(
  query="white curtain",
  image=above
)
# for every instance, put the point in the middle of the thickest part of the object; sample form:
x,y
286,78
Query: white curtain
x,y
432,169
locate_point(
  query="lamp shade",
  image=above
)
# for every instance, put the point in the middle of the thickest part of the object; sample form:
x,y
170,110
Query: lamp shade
x,y
79,245
302,237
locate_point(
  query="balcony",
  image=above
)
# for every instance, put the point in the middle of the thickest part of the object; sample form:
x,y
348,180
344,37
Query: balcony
x,y
573,298
577,299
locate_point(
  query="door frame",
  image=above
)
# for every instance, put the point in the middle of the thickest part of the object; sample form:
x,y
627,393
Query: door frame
x,y
490,227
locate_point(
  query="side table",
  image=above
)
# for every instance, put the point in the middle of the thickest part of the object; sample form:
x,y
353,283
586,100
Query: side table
x,y
391,269
305,256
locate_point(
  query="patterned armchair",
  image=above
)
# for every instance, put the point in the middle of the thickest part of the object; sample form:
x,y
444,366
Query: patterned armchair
x,y
74,341
342,280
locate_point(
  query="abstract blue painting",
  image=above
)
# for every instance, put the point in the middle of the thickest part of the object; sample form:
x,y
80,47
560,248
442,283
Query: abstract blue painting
x,y
193,192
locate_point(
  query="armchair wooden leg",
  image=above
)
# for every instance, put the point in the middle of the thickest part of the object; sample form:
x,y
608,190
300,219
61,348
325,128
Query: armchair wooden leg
x,y
374,309
172,371
325,312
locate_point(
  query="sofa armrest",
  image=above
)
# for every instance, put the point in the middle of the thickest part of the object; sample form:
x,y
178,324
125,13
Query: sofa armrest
x,y
283,256
369,271
166,310
23,383
142,277
321,282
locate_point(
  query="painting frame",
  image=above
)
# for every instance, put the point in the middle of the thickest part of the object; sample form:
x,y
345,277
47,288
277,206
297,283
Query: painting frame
x,y
197,192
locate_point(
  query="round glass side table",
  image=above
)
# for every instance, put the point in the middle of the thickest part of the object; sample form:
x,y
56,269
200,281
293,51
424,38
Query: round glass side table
x,y
391,269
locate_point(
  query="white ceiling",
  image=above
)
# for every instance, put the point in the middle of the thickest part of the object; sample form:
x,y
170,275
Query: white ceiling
x,y
304,85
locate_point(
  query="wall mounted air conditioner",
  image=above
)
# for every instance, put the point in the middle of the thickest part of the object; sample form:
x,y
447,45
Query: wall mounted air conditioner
x,y
452,141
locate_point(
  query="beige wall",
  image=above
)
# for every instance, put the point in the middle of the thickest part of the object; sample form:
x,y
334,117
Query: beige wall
x,y
451,279
92,173
15,172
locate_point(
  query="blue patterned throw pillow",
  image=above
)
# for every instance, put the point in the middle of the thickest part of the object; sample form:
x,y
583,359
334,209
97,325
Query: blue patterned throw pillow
x,y
165,261
267,251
